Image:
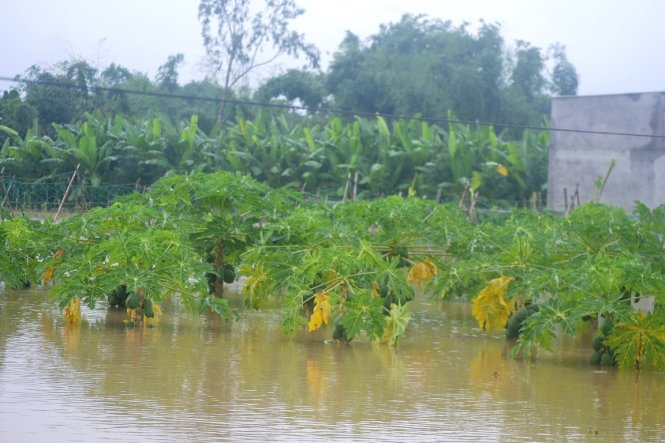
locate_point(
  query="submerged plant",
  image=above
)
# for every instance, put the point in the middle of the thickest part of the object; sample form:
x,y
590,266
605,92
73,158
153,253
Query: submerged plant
x,y
353,267
639,341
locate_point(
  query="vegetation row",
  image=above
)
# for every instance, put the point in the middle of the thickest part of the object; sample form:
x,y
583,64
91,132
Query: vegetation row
x,y
360,159
354,265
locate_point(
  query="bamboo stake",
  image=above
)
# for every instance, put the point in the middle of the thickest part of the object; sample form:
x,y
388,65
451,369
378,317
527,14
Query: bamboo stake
x,y
9,188
577,194
346,187
69,186
461,201
472,206
355,186
2,180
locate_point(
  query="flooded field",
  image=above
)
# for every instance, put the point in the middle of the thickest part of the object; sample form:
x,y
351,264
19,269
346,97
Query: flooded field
x,y
200,379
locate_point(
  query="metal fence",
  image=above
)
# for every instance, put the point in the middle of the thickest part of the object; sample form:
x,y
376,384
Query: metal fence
x,y
46,195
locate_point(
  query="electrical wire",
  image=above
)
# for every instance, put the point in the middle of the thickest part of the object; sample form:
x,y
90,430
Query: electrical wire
x,y
324,110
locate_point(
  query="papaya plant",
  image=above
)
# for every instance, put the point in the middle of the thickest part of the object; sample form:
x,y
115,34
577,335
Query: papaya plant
x,y
575,269
23,250
344,264
134,246
355,265
221,213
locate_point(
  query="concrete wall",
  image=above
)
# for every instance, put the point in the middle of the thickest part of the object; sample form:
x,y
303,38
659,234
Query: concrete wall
x,y
578,159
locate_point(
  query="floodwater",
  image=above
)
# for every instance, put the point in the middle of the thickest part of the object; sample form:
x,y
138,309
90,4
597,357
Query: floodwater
x,y
200,379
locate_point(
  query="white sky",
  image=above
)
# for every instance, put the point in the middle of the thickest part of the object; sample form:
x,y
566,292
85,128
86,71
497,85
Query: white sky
x,y
616,46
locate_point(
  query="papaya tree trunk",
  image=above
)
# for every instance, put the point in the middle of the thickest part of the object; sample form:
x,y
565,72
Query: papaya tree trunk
x,y
218,263
138,321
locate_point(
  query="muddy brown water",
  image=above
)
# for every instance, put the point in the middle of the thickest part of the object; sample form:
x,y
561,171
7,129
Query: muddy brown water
x,y
200,379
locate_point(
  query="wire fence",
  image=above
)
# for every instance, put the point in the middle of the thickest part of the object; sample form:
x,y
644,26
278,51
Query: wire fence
x,y
26,196
23,195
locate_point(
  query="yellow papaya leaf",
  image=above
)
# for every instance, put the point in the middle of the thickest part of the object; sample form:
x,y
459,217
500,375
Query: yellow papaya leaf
x,y
490,307
396,322
253,284
375,290
73,312
133,314
502,170
59,253
322,311
422,271
48,275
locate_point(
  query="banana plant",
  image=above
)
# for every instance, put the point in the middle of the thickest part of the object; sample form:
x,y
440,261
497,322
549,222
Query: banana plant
x,y
182,151
138,142
81,145
30,156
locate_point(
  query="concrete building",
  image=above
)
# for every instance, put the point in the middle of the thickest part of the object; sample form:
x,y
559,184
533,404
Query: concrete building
x,y
578,159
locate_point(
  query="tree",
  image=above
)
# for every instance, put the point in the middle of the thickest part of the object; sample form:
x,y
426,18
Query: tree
x,y
421,65
564,75
167,75
15,113
114,76
63,94
294,84
238,40
352,86
527,75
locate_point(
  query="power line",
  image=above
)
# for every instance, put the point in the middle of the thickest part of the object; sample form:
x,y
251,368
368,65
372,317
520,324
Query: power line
x,y
313,110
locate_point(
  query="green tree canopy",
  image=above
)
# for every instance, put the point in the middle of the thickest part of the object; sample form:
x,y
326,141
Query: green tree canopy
x,y
15,113
428,66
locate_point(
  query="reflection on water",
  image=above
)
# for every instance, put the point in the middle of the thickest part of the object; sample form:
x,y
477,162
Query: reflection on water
x,y
200,379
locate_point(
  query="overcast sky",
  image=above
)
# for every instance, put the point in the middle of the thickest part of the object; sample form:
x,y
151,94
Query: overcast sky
x,y
616,46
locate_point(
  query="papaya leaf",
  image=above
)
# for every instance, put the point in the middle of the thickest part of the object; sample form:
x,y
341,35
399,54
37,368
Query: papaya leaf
x,y
639,341
490,307
540,328
322,311
363,313
396,322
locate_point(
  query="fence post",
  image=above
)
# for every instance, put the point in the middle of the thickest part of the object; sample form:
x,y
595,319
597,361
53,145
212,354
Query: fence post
x,y
69,186
9,188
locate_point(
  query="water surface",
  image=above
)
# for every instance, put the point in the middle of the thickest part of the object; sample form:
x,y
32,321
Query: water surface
x,y
200,379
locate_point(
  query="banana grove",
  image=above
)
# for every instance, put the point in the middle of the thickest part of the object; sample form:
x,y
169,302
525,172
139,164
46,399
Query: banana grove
x,y
336,159
353,267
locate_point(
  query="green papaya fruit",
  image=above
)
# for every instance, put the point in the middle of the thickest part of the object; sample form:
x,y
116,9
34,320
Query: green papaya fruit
x,y
113,299
132,301
513,329
229,274
521,315
595,358
606,326
606,359
148,309
211,277
597,343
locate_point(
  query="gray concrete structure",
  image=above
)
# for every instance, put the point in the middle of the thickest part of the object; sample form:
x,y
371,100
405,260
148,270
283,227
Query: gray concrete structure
x,y
577,160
